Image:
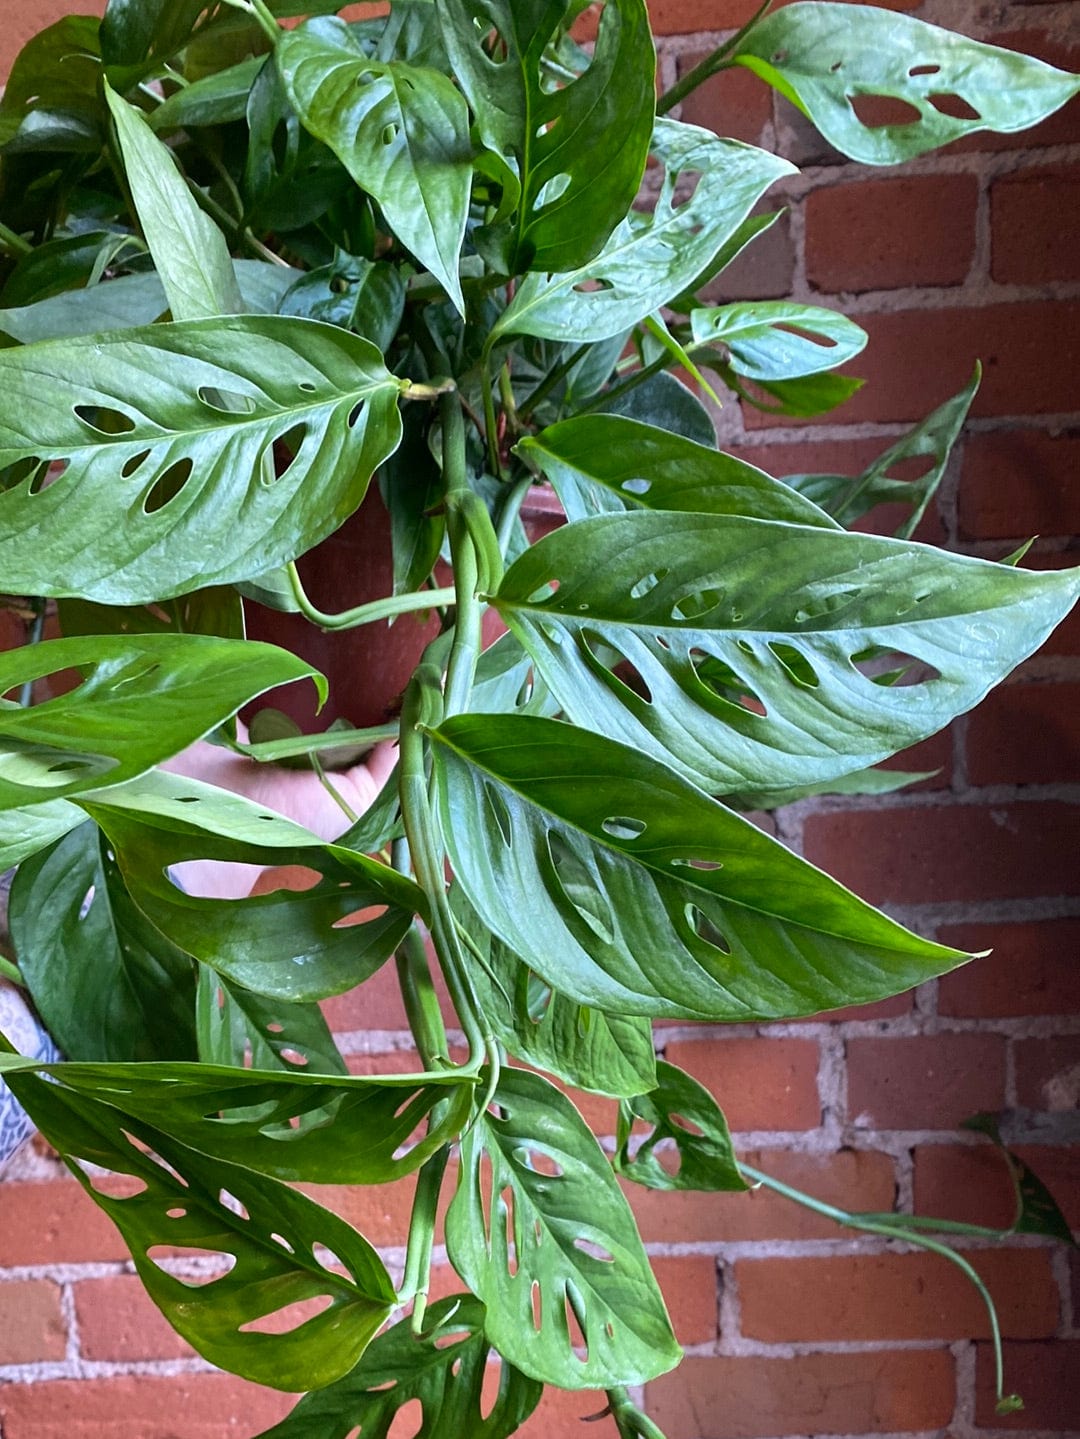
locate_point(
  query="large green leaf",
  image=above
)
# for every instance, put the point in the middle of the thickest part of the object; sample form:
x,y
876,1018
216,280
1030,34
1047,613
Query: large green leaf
x,y
443,1370
368,1129
606,463
650,258
578,149
710,609
401,131
132,29
107,984
172,498
606,1053
188,249
645,896
223,1212
51,96
214,611
777,339
144,699
824,57
683,1111
286,944
551,1249
24,832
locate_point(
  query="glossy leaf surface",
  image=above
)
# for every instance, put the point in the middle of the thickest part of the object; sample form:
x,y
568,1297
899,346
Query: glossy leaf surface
x,y
558,1235
651,258
826,56
710,611
645,895
778,340
24,832
443,1371
172,498
237,1028
681,1110
144,698
402,132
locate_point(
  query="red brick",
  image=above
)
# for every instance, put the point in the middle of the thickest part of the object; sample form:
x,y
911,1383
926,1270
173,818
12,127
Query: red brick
x,y
1030,353
735,104
144,1406
1026,734
32,1325
19,23
1033,970
971,1182
883,234
1017,483
764,270
379,1211
895,1296
1048,1073
856,1179
924,1082
1047,1378
1028,244
55,1223
688,1283
119,1322
759,1083
560,1415
756,1398
927,855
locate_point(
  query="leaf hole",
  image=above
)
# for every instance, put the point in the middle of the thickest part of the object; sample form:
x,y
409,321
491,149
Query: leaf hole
x,y
232,1204
924,70
647,584
638,485
506,1208
355,413
552,190
575,1313
954,106
368,915
879,112
136,462
176,1213
594,1250
308,387
704,928
795,663
167,486
537,1306
279,1239
290,1317
580,891
706,864
681,1122
623,827
105,421
696,603
499,813
286,451
389,134
226,402
293,1056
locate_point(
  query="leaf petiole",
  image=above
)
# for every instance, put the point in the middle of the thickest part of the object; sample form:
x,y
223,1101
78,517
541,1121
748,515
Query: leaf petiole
x,y
366,614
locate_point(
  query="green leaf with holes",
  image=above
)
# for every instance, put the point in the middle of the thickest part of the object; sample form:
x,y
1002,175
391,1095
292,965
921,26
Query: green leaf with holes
x,y
607,1053
443,1370
578,149
683,1112
650,258
265,1232
107,984
258,1118
827,57
744,648
289,945
162,433
552,1249
608,464
143,698
239,1029
645,896
401,131
776,339
188,249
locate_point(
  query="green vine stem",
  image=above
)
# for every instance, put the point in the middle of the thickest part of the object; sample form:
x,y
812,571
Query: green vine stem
x,y
630,1421
271,750
416,1281
9,972
465,651
370,612
421,1001
15,243
550,380
717,60
638,377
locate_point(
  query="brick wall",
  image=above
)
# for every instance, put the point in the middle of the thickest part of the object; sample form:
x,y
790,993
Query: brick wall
x,y
791,1326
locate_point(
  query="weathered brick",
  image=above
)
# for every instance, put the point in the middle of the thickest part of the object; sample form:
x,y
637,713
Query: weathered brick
x,y
924,1081
734,104
764,270
759,1083
754,1398
883,234
144,1406
54,1223
1032,970
895,1296
971,1182
1025,250
1000,731
119,1322
1047,1378
1019,482
561,1412
32,1325
1048,1073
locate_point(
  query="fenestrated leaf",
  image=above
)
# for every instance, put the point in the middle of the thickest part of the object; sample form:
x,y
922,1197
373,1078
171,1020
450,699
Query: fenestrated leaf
x,y
24,832
368,1134
807,395
558,1224
175,500
776,339
650,258
645,895
401,131
578,149
223,1211
606,1053
107,984
237,1028
825,56
1037,1211
367,297
848,498
707,610
605,463
444,1370
144,699
189,251
682,1110
287,944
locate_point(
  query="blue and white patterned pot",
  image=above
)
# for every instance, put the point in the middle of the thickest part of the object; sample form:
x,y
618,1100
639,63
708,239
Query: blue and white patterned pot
x,y
22,1028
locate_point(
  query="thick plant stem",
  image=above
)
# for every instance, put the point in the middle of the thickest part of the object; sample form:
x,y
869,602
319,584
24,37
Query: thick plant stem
x,y
421,1001
465,653
491,424
718,60
417,1277
366,614
630,1421
15,243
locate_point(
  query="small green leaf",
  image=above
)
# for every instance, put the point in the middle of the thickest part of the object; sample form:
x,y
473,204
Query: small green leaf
x,y
360,295
443,1369
683,1111
554,1248
144,699
826,56
225,1213
238,1029
1037,1211
645,895
804,397
401,131
217,99
777,340
107,984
